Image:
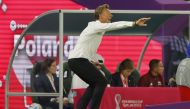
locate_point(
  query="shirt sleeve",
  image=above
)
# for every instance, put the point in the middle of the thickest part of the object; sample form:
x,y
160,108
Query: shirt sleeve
x,y
103,27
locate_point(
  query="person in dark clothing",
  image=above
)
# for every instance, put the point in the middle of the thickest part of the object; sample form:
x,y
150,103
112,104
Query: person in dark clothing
x,y
154,76
135,73
67,78
124,77
48,82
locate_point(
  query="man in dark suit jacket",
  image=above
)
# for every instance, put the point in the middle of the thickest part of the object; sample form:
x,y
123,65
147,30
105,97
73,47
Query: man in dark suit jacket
x,y
126,76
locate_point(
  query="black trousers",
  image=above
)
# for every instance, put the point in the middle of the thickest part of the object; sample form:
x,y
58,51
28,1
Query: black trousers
x,y
91,75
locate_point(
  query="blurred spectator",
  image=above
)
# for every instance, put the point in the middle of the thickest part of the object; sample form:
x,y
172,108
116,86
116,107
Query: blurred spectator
x,y
126,76
154,76
174,50
181,50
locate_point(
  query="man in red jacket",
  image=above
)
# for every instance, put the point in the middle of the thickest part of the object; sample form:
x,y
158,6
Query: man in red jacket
x,y
154,76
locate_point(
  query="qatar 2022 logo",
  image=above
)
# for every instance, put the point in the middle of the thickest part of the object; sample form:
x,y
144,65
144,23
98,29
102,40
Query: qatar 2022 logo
x,y
122,102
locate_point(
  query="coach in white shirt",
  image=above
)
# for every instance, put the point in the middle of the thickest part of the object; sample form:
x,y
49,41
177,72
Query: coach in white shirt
x,y
82,55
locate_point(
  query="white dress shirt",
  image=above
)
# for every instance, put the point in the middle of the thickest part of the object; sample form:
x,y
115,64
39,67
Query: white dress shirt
x,y
91,37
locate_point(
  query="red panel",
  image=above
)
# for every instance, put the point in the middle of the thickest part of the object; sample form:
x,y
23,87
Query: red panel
x,y
130,98
115,49
185,93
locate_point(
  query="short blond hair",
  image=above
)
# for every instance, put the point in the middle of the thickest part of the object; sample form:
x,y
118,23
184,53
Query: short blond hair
x,y
99,10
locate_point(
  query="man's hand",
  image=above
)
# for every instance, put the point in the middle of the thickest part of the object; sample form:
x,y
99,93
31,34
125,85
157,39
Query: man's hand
x,y
64,100
142,21
96,64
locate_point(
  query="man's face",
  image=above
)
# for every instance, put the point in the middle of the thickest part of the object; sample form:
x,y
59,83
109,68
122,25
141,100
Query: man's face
x,y
105,16
160,68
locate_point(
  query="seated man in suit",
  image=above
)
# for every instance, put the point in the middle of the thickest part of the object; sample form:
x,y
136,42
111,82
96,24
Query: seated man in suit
x,y
154,76
126,75
48,82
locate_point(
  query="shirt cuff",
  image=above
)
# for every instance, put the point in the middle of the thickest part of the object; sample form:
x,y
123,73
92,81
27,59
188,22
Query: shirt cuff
x,y
53,100
134,23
